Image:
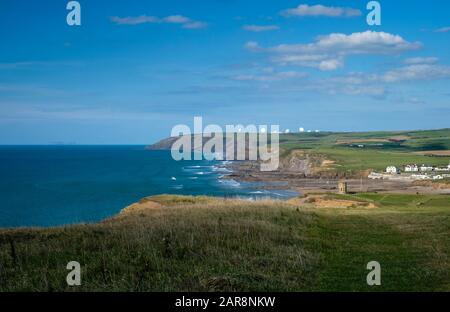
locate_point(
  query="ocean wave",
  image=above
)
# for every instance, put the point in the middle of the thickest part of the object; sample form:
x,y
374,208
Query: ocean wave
x,y
232,183
221,169
198,167
257,192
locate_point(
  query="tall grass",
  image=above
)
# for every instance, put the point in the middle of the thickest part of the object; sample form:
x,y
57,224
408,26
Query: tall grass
x,y
210,244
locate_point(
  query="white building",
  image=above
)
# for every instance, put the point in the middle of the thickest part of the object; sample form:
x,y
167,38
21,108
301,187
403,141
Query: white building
x,y
411,168
392,170
443,168
425,168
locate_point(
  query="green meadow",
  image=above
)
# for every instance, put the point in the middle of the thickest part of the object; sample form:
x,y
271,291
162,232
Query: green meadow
x,y
183,243
360,151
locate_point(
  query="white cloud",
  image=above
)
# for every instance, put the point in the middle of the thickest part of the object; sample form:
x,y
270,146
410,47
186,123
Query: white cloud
x,y
320,61
368,42
373,91
321,10
443,29
421,60
330,64
195,25
416,72
253,46
134,20
353,84
400,74
186,22
329,52
260,28
177,19
291,74
375,85
270,76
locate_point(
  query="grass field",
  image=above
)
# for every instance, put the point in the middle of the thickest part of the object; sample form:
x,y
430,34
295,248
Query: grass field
x,y
355,152
179,243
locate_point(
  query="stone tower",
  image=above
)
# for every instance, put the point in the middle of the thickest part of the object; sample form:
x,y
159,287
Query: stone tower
x,y
342,187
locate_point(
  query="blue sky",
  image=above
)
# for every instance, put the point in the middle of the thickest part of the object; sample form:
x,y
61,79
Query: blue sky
x,y
134,69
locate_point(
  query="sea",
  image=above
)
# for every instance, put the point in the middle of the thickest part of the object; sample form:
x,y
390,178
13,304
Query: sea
x,y
58,185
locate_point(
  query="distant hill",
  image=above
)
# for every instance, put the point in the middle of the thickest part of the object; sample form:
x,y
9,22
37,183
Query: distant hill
x,y
353,153
166,144
415,140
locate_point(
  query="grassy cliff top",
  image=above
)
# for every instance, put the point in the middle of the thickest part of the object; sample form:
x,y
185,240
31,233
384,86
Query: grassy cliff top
x,y
184,243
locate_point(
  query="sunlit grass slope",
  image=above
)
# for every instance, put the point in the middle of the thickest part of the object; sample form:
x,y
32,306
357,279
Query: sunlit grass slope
x,y
182,243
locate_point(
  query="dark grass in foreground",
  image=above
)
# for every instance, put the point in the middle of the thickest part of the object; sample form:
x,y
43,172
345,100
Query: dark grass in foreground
x,y
204,244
